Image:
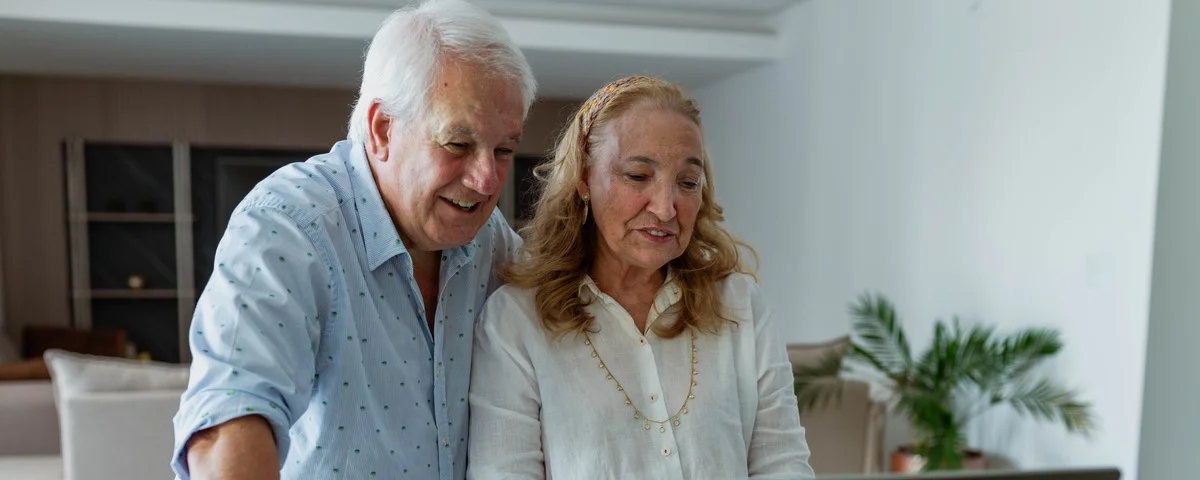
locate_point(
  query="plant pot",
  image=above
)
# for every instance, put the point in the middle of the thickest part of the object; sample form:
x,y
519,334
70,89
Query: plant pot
x,y
904,460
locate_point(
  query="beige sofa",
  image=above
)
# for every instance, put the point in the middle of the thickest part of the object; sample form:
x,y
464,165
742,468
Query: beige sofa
x,y
28,419
90,433
846,436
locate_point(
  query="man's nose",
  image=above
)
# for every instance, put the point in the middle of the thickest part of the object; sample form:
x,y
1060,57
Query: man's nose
x,y
482,175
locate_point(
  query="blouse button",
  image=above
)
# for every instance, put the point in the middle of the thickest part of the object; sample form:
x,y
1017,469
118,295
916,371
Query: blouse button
x,y
666,451
642,340
653,397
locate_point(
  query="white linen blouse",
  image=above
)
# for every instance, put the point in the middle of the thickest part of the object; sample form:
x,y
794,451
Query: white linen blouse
x,y
542,406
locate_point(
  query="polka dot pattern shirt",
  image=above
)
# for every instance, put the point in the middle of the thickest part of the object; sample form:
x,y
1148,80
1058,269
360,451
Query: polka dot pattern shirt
x,y
313,320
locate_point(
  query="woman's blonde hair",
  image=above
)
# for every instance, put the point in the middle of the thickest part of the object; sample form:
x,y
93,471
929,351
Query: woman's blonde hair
x,y
560,246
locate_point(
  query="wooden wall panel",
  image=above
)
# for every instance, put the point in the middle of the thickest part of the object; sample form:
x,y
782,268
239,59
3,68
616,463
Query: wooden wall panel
x,y
38,113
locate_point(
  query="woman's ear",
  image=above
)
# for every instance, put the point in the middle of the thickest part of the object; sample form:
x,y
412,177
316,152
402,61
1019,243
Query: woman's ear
x,y
582,188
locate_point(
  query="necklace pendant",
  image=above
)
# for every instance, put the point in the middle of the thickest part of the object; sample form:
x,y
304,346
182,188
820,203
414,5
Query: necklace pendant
x,y
676,422
662,429
646,425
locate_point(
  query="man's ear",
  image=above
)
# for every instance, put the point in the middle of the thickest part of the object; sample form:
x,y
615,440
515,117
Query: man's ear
x,y
379,128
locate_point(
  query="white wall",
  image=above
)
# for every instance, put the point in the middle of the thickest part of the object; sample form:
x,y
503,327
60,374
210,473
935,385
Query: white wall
x,y
1171,418
994,159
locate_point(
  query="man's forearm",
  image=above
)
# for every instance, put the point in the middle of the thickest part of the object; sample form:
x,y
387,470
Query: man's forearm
x,y
243,448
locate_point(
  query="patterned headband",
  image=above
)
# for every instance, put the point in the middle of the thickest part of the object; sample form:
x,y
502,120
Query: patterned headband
x,y
599,100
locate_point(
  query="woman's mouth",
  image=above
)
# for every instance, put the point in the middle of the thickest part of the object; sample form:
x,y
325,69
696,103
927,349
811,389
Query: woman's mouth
x,y
657,235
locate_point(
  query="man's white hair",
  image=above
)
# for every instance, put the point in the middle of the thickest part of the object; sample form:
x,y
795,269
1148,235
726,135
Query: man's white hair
x,y
403,59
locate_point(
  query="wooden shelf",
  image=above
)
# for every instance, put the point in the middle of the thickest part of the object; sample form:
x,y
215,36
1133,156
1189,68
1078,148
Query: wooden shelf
x,y
130,294
135,217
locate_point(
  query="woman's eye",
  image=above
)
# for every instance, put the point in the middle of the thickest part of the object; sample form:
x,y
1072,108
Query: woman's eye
x,y
690,185
637,177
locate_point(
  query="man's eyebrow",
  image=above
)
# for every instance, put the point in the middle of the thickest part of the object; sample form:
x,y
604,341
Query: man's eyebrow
x,y
652,162
459,129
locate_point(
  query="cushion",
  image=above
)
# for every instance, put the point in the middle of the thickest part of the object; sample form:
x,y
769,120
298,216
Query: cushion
x,y
811,354
75,373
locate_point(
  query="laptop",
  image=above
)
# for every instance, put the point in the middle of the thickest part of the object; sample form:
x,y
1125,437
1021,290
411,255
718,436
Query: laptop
x,y
1064,474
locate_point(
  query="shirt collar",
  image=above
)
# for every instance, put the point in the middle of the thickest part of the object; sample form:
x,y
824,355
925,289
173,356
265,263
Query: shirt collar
x,y
669,294
380,237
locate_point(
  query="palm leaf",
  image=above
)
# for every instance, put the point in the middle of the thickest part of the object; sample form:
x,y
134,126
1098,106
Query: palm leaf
x,y
1047,401
860,354
881,335
1026,349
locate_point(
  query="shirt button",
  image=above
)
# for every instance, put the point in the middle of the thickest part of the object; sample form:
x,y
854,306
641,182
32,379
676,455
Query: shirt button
x,y
653,397
666,451
445,442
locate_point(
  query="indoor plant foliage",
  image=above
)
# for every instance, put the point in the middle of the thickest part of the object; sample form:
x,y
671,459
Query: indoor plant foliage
x,y
964,372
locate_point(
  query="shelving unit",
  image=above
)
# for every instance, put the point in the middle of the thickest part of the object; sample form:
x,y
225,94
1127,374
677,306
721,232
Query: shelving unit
x,y
154,211
134,217
129,214
131,294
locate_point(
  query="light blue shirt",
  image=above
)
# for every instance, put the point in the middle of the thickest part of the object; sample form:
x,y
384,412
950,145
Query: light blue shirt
x,y
312,319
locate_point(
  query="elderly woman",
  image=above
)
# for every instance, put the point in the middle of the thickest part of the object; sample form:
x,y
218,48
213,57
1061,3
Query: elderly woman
x,y
628,342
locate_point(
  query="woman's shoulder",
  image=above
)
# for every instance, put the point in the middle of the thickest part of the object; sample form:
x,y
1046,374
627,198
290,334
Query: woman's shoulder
x,y
740,288
739,283
511,306
741,296
511,299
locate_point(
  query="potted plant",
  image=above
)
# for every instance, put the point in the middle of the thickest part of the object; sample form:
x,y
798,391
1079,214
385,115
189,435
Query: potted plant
x,y
964,372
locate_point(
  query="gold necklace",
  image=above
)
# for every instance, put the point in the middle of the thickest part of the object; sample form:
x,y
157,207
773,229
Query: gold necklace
x,y
637,413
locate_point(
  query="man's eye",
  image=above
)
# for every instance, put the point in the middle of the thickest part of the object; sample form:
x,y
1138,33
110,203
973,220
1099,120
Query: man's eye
x,y
457,145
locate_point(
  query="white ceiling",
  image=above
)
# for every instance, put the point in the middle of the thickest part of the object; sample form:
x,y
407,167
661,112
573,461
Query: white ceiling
x,y
712,6
316,43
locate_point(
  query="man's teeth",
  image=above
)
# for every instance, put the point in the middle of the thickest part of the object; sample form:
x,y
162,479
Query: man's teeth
x,y
657,233
464,205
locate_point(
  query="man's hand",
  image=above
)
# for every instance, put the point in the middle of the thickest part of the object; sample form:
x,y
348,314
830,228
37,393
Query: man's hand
x,y
242,448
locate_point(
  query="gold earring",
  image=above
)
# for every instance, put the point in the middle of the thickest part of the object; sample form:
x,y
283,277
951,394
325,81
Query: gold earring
x,y
586,199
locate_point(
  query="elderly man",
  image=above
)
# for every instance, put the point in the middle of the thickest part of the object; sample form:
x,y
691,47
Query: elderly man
x,y
334,337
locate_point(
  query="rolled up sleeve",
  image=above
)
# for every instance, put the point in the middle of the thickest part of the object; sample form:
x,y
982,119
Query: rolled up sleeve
x,y
256,329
